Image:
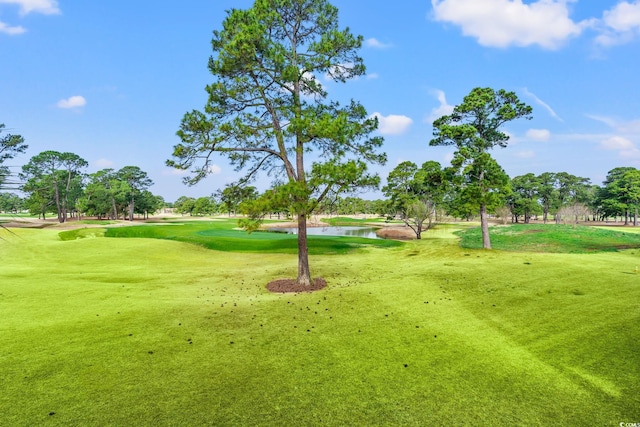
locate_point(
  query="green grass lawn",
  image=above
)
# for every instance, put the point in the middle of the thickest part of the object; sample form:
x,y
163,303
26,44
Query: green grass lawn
x,y
553,238
102,331
223,235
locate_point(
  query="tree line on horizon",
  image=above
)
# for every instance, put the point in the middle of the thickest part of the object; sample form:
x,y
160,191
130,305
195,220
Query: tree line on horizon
x,y
55,183
423,195
414,195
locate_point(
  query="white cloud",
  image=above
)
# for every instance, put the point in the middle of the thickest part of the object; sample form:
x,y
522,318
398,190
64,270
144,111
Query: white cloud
x,y
504,23
103,163
46,7
542,104
376,44
629,128
372,76
538,134
606,120
443,110
624,16
174,172
632,154
632,127
12,31
215,170
621,24
622,140
526,154
625,147
72,102
392,124
617,143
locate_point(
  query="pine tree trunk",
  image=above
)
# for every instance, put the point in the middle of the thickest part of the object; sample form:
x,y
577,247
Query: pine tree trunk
x,y
58,204
131,208
114,214
304,274
484,223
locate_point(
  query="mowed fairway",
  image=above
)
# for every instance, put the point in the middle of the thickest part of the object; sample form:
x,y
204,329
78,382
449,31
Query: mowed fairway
x,y
114,331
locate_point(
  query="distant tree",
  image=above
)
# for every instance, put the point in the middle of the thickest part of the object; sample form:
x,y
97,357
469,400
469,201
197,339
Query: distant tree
x,y
233,195
267,110
419,215
349,205
40,199
368,206
474,128
400,184
570,189
593,202
81,206
463,205
547,193
148,203
415,193
352,206
74,193
10,146
504,213
620,194
575,211
105,195
524,199
379,207
57,174
204,206
432,184
184,205
96,200
137,181
10,202
608,197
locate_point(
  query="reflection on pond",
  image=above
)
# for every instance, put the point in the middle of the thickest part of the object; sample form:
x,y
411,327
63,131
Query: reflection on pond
x,y
367,232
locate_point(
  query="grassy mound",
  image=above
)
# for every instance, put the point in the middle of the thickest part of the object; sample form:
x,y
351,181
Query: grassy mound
x,y
222,235
551,238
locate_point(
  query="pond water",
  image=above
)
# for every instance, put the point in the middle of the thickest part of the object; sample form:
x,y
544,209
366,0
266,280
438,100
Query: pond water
x,y
367,232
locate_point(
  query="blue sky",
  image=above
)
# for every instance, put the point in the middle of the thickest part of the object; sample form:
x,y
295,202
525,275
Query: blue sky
x,y
111,80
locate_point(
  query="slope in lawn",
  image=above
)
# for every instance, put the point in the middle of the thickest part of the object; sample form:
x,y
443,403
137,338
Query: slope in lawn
x,y
99,331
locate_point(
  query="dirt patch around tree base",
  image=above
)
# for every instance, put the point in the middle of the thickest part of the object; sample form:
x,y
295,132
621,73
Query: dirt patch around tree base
x,y
291,285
